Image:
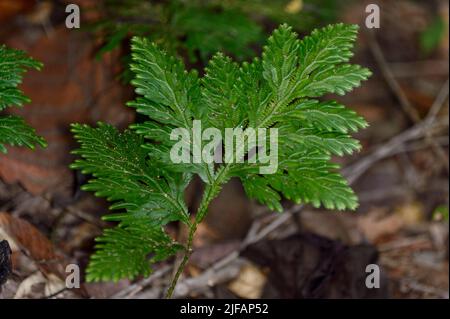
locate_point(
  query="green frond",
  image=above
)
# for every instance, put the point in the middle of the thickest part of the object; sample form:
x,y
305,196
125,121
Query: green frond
x,y
334,143
129,250
340,80
258,187
123,174
327,116
220,94
13,64
277,92
14,130
309,177
280,60
326,47
134,169
163,81
147,197
170,97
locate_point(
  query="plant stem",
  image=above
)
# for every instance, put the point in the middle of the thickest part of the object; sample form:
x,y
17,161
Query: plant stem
x,y
207,197
211,190
183,262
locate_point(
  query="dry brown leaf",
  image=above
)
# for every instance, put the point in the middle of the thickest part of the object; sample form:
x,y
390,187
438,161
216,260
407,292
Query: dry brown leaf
x,y
37,284
24,237
376,224
250,282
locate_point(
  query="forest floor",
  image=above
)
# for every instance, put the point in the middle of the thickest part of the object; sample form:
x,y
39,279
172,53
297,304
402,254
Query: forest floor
x,y
401,178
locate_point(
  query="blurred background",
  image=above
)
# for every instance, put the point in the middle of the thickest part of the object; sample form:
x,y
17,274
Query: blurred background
x,y
242,250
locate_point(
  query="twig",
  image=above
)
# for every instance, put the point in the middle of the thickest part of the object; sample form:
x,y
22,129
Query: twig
x,y
431,116
135,288
438,102
395,87
208,279
391,147
53,295
390,79
420,145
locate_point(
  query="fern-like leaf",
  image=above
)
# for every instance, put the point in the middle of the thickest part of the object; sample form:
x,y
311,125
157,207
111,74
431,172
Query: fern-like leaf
x,y
129,250
166,88
150,196
326,116
134,168
15,132
13,129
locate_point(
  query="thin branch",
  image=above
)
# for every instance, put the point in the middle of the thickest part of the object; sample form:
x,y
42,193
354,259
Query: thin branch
x,y
393,84
395,87
135,288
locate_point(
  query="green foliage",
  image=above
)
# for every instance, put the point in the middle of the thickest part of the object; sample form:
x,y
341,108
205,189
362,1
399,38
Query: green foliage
x,y
151,197
129,249
13,129
179,26
440,213
432,36
200,28
133,169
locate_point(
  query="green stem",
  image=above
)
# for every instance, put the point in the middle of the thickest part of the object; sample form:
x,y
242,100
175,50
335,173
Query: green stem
x,y
183,262
208,196
210,193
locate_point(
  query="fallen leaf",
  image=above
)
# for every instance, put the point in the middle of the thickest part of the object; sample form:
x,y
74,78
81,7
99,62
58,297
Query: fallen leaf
x,y
377,224
32,286
26,238
250,282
